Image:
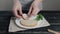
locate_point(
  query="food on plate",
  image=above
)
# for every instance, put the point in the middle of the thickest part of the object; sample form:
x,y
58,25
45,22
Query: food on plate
x,y
29,23
25,16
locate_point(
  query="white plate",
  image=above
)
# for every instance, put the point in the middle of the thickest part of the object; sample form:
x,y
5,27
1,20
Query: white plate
x,y
41,23
17,21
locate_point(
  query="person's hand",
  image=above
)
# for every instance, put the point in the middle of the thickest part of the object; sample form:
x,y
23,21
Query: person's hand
x,y
34,9
17,9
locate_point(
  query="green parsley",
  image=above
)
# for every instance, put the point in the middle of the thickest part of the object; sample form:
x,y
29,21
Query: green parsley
x,y
39,17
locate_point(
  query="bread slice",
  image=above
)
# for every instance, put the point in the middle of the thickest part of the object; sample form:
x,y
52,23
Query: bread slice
x,y
29,23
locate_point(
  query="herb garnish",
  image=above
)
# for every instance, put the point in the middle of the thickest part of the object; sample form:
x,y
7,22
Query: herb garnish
x,y
39,17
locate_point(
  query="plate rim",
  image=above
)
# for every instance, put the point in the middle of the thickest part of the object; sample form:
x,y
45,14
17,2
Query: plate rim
x,y
25,26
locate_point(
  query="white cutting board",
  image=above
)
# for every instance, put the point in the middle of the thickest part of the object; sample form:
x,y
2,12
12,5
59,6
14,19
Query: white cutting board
x,y
13,27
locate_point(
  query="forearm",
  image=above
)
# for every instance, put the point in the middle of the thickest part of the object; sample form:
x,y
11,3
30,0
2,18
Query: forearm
x,y
16,1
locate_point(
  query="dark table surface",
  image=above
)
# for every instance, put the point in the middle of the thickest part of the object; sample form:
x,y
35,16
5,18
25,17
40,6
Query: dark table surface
x,y
53,17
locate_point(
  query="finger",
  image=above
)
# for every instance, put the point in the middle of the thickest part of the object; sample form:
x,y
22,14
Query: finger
x,y
16,13
20,11
30,11
35,12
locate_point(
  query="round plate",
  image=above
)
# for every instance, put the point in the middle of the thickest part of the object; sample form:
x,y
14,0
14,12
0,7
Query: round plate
x,y
17,21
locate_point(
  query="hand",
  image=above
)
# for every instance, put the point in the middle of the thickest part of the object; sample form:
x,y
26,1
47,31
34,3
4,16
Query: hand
x,y
17,8
34,9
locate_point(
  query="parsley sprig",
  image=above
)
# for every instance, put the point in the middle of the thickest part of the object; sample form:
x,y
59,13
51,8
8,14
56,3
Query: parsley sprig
x,y
39,17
